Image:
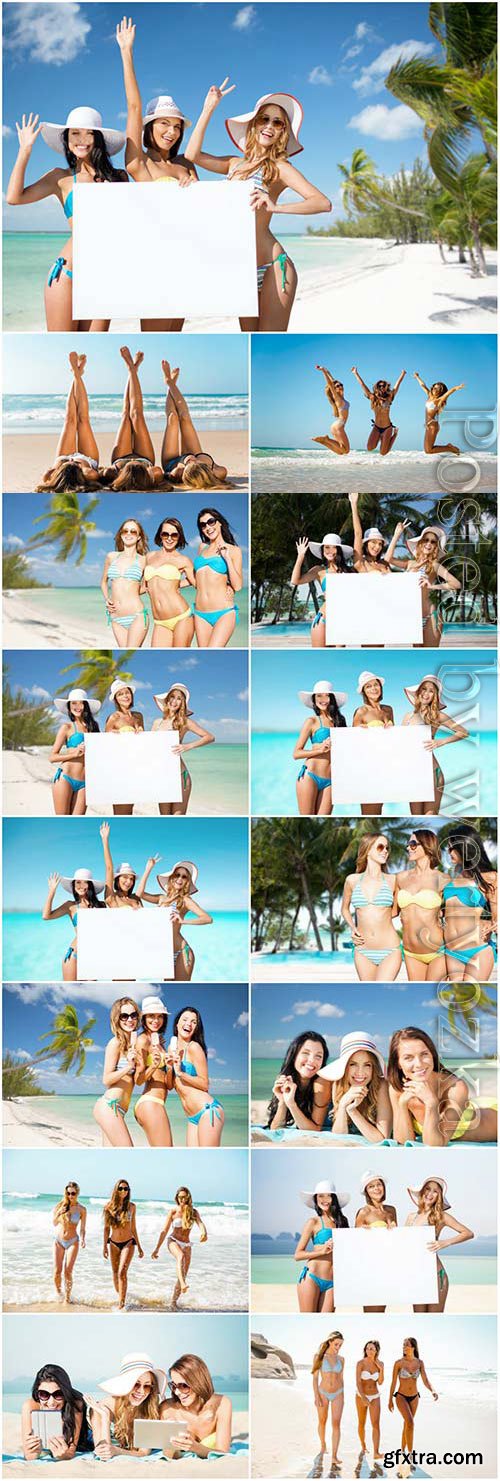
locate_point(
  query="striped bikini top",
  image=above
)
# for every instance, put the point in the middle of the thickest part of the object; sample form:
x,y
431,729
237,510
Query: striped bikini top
x,y
382,897
132,573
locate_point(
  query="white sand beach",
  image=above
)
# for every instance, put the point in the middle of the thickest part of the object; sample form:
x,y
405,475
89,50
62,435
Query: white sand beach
x,y
397,288
301,470
25,1124
265,635
319,968
27,458
230,1467
463,1300
27,790
25,625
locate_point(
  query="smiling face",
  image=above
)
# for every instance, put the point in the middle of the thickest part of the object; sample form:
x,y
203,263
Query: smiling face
x,y
427,693
181,1390
130,534
360,1068
123,1190
428,546
375,1190
322,702
166,132
124,698
154,1022
335,1345
330,552
76,708
430,1193
180,878
372,690
323,1201
375,548
141,1390
174,700
210,527
50,1396
81,143
169,536
379,851
370,1350
415,1060
81,888
309,1059
270,125
187,1024
129,1017
415,850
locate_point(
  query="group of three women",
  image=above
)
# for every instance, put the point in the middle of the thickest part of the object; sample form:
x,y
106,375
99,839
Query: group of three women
x,y
137,1056
381,397
329,1398
121,1238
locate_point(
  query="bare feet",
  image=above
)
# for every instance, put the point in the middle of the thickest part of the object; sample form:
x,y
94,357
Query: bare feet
x,y
74,360
138,358
126,356
170,376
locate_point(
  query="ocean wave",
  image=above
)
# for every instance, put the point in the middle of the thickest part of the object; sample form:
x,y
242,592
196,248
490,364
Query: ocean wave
x,y
45,411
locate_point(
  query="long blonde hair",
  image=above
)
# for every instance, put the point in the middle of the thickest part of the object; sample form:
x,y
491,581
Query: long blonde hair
x,y
187,1207
178,896
436,1214
180,718
198,476
117,1209
368,1106
123,1039
319,1355
125,1414
268,162
431,564
431,713
364,849
63,1207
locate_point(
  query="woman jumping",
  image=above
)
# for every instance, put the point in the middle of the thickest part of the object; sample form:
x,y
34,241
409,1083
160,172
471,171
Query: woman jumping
x,y
437,396
381,397
338,441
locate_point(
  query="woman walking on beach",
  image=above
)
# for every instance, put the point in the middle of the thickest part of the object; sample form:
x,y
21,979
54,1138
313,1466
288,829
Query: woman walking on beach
x,y
177,1232
299,1098
120,1237
314,781
120,1062
76,465
218,572
360,1096
68,1215
470,906
188,1055
163,576
175,716
426,550
182,456
433,1210
84,890
419,897
328,1389
381,397
154,1073
368,908
372,712
369,1380
121,585
124,721
338,441
405,1373
267,138
133,465
315,1283
332,556
437,397
87,147
53,1393
68,794
178,885
429,1101
428,709
372,552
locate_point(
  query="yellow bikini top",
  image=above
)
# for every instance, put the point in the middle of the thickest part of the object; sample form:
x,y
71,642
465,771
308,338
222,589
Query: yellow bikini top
x,y
428,899
165,573
377,1224
372,724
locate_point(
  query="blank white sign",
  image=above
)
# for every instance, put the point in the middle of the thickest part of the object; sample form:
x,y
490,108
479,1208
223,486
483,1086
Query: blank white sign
x,y
383,1267
372,765
144,252
373,609
132,768
125,945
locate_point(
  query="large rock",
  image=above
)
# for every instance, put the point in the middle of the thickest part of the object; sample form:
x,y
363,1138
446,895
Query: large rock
x,y
269,1361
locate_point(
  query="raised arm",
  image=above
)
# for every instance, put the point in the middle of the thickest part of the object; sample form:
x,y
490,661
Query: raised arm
x,y
443,399
421,383
19,194
361,382
48,913
134,154
108,862
218,164
298,577
357,526
140,888
398,532
398,383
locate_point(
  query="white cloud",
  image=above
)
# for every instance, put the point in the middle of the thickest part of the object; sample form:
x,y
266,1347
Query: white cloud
x,y
243,696
242,1021
6,131
320,77
372,78
53,34
315,1005
353,51
430,1003
100,535
245,18
288,1018
380,122
141,684
14,542
20,1054
330,1010
36,692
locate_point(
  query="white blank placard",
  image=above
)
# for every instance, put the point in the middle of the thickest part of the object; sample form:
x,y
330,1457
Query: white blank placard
x,y
373,609
132,768
149,252
125,944
380,1267
390,765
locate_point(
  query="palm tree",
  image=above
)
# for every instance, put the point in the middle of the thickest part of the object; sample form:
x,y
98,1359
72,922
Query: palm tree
x,y
67,525
95,671
468,214
16,572
68,1040
362,187
26,722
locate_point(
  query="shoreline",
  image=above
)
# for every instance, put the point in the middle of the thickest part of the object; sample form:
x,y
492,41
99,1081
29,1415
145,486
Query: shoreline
x,y
26,459
29,626
27,790
302,470
463,1300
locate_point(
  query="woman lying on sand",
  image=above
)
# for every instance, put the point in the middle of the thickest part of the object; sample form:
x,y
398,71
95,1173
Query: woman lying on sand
x,y
381,398
133,463
137,1392
53,1393
182,456
428,1100
77,455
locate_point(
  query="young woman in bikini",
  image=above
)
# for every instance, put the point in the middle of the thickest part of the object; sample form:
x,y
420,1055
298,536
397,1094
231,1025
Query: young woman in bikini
x,y
267,137
69,1217
173,704
207,1415
381,397
428,709
360,1097
133,464
314,781
437,397
164,575
405,1373
53,1393
124,721
372,712
429,1101
218,570
433,1210
177,1232
121,584
375,1213
84,891
178,886
368,909
120,1237
120,1063
372,552
68,752
315,1283
155,1073
338,441
470,907
331,560
188,1055
419,900
426,551
77,457
183,460
328,1388
120,890
369,1380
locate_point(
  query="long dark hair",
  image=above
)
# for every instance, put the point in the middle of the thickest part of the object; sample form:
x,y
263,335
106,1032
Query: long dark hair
x,y
169,519
339,562
473,857
94,903
99,158
199,1033
74,1403
333,1212
394,1073
88,718
304,1098
149,142
333,712
227,534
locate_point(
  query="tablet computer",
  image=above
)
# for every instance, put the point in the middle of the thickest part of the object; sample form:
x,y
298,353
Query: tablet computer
x,y
157,1434
46,1424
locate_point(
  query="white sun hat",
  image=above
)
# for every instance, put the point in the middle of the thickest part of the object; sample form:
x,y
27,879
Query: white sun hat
x,y
365,677
374,534
80,694
322,686
153,1005
349,1045
159,699
429,530
82,876
317,549
325,1187
372,1177
237,126
411,690
132,1367
82,118
416,1193
124,868
181,864
164,106
120,684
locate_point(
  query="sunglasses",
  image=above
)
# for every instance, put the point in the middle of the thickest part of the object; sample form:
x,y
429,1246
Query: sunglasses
x,y
170,535
180,1388
413,843
72,1192
123,1188
207,524
44,1394
129,530
125,1016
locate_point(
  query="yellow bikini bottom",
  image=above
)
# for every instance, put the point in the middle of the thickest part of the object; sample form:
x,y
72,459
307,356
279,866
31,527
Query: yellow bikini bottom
x,y
424,956
466,1119
171,622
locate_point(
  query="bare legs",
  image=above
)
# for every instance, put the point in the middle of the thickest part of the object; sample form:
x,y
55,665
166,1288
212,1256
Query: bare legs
x,y
182,1264
430,444
275,300
133,435
180,434
407,1411
64,1261
152,1116
77,435
384,971
112,1124
383,438
120,1262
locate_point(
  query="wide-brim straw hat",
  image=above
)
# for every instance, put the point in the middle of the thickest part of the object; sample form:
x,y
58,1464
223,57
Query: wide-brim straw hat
x,y
81,876
366,677
416,1193
237,126
153,1004
330,539
164,106
325,1187
307,696
349,1045
414,540
411,690
181,864
159,699
134,1365
374,534
80,694
119,684
372,1177
82,118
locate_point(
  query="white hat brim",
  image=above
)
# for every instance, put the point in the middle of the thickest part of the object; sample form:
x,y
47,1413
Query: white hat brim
x,y
306,697
369,680
415,1193
414,540
237,126
67,884
317,549
159,699
124,1382
374,535
335,1070
62,705
53,134
411,690
181,863
308,1198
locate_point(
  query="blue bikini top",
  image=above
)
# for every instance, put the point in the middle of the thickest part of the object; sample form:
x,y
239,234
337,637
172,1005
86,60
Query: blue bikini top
x,y
76,739
321,734
323,1235
467,894
68,203
216,563
188,1068
328,1367
323,583
382,897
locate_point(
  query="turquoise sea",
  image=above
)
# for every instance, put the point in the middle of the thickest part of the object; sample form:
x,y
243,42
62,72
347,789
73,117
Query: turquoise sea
x,y
76,1110
85,604
471,1270
213,413
33,949
13,1401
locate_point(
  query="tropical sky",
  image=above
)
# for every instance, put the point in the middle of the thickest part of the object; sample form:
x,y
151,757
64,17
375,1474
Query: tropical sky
x,y
300,410
29,1008
215,364
280,1013
473,1347
334,58
101,1345
32,849
153,1175
218,690
19,516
